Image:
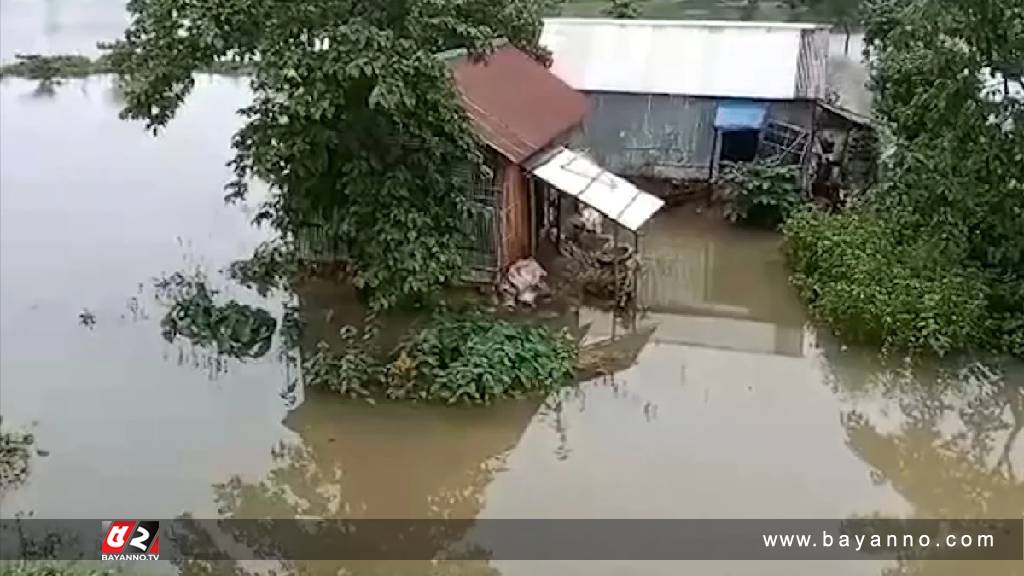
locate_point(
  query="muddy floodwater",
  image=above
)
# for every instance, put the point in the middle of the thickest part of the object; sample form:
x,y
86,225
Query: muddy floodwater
x,y
735,408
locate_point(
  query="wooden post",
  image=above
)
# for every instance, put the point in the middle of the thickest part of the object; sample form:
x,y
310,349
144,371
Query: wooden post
x,y
615,260
714,151
558,223
531,205
636,269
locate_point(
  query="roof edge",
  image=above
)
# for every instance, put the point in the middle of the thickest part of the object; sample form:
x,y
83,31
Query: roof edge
x,y
626,22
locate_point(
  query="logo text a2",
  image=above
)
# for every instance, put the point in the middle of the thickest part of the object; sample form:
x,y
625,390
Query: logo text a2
x,y
130,540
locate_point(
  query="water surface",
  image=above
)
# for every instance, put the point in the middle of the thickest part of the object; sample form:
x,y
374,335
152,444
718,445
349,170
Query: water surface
x,y
735,407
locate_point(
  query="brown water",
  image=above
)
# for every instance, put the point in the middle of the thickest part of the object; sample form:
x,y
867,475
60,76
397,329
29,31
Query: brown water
x,y
735,408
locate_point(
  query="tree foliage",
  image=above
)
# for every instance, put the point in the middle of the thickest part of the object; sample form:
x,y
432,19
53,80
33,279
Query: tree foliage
x,y
231,329
354,119
951,197
622,9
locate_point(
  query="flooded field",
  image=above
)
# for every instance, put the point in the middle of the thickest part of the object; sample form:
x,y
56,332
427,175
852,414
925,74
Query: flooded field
x,y
735,408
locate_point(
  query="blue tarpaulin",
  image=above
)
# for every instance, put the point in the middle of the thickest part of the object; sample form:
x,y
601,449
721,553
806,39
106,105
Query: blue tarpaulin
x,y
740,115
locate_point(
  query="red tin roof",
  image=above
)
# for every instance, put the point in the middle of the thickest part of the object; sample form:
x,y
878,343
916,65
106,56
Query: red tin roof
x,y
516,104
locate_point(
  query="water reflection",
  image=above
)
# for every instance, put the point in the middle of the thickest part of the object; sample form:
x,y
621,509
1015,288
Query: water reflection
x,y
942,435
708,284
721,410
92,206
396,461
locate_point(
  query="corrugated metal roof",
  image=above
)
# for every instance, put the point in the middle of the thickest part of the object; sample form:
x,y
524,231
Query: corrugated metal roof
x,y
516,105
685,57
577,175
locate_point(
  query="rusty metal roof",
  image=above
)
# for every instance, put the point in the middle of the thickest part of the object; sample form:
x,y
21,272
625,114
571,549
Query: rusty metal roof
x,y
516,104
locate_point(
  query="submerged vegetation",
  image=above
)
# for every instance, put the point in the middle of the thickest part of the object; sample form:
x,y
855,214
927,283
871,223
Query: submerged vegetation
x,y
15,451
933,258
40,67
463,358
53,68
472,358
232,329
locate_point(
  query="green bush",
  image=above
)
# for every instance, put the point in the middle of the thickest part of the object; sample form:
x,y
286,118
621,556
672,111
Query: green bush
x,y
869,287
232,329
476,359
350,368
763,193
15,452
462,357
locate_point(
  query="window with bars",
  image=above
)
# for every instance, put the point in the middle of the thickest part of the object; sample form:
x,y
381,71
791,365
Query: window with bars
x,y
783,142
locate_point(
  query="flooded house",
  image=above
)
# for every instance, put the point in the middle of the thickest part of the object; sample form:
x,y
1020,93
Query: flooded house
x,y
675,99
527,117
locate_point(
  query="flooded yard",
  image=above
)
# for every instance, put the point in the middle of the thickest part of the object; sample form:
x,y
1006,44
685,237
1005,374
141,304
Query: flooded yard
x,y
736,406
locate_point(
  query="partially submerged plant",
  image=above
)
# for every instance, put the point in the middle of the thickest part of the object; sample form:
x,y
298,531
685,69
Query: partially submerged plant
x,y
14,456
761,192
476,359
458,358
232,329
272,266
351,368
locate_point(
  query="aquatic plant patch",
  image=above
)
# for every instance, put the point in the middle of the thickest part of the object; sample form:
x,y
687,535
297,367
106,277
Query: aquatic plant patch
x,y
14,456
232,329
464,358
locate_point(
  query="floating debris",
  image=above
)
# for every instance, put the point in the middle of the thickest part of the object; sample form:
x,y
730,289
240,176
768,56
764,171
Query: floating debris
x,y
87,318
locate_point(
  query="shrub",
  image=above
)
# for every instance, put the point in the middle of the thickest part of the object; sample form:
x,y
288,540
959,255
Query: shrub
x,y
232,329
763,193
476,359
465,357
14,457
351,368
856,276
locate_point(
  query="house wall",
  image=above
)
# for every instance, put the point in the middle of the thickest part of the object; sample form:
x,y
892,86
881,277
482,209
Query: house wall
x,y
515,216
663,136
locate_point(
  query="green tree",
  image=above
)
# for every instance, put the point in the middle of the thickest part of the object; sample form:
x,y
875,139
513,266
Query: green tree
x,y
622,9
844,14
354,120
949,209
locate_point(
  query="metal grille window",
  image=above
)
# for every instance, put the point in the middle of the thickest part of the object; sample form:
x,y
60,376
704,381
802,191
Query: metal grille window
x,y
481,250
783,142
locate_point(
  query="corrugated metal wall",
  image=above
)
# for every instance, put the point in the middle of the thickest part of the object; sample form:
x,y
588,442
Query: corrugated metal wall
x,y
662,136
812,65
651,135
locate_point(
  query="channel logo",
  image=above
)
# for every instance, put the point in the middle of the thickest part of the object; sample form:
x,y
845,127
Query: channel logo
x,y
130,540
